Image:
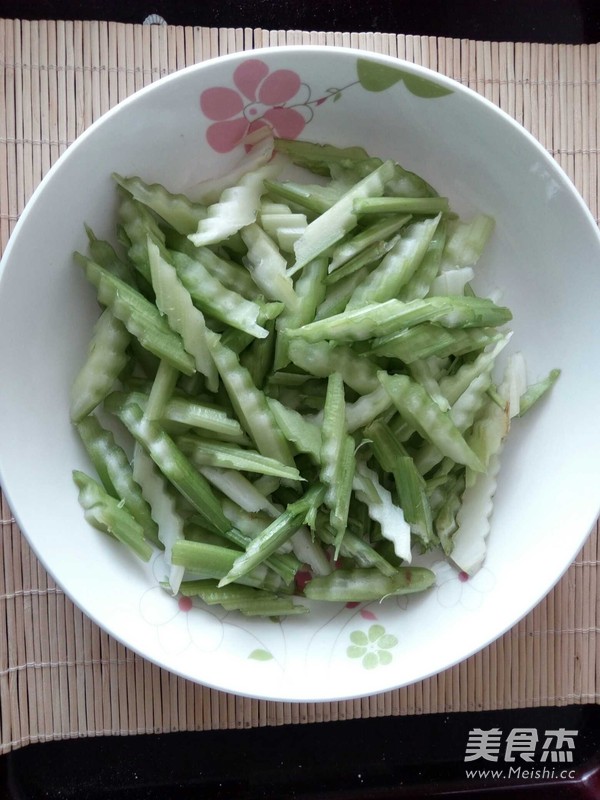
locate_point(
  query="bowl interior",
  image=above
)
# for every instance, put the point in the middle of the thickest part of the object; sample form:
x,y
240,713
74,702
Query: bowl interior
x,y
544,259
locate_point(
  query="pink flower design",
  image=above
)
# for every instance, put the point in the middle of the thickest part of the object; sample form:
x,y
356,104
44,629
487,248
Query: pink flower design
x,y
458,588
261,98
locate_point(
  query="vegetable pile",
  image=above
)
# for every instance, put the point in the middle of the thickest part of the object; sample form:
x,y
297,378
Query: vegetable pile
x,y
306,378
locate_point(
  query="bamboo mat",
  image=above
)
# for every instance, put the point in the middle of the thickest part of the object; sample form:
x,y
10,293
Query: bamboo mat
x,y
60,675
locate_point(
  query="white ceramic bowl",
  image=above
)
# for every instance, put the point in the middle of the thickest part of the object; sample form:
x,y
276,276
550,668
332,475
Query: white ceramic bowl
x,y
545,255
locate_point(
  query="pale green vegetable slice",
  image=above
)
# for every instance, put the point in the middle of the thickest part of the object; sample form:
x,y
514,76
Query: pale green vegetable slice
x,y
175,302
384,510
423,413
359,585
215,299
237,206
249,403
337,221
105,360
397,267
268,267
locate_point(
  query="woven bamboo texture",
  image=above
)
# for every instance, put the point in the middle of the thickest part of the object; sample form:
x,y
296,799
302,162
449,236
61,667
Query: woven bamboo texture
x,y
60,675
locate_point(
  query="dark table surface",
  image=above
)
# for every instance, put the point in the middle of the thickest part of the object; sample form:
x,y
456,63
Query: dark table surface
x,y
415,757
566,21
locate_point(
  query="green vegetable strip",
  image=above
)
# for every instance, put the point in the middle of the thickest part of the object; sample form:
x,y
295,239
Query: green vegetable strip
x,y
410,486
235,340
325,231
489,431
138,224
446,523
454,385
375,233
427,339
303,434
355,547
361,585
231,275
155,488
250,404
268,267
250,523
105,360
473,518
467,240
245,599
258,357
216,300
486,438
163,502
343,491
408,184
184,413
536,391
104,253
175,466
205,452
105,512
197,415
310,291
310,552
367,408
452,281
333,432
283,225
462,414
161,390
279,531
319,158
514,383
381,319
175,209
213,561
394,526
141,318
401,205
398,266
323,358
418,285
247,526
237,207
434,425
339,293
284,562
175,302
465,409
115,472
337,457
367,258
423,372
239,489
314,200
328,159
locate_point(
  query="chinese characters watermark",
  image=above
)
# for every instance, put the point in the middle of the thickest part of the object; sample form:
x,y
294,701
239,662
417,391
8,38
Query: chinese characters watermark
x,y
521,748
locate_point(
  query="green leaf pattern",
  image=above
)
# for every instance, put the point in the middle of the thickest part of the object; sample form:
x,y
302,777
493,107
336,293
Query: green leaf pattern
x,y
375,77
260,655
372,647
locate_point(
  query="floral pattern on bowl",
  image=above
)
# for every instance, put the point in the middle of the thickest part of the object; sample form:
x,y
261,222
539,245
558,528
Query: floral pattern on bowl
x,y
281,100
